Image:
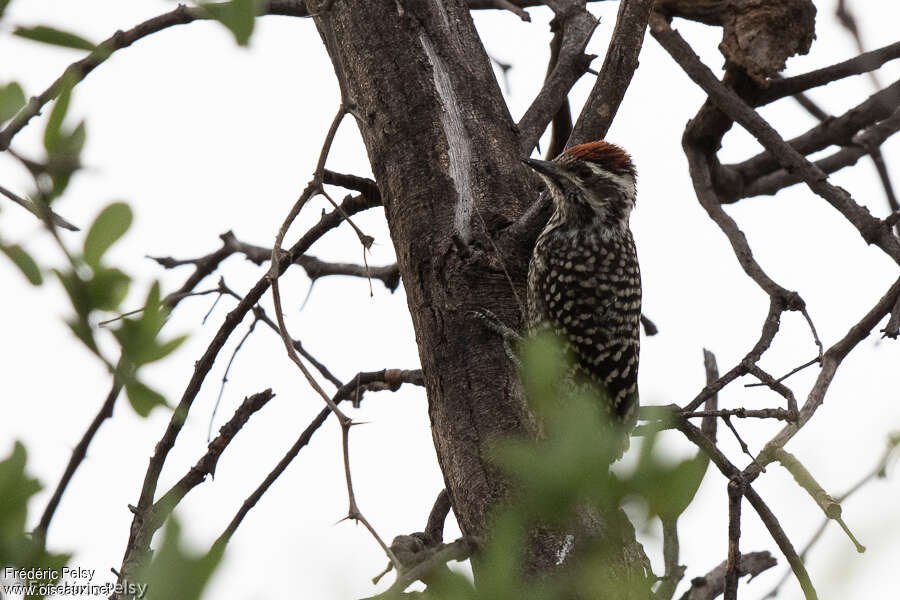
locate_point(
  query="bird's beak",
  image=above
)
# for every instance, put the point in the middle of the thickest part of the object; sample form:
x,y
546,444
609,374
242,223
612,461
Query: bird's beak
x,y
544,167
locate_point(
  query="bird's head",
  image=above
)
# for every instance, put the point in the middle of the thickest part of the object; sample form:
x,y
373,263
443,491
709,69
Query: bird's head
x,y
598,176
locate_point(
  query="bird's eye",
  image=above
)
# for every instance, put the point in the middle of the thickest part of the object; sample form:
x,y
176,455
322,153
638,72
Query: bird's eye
x,y
584,172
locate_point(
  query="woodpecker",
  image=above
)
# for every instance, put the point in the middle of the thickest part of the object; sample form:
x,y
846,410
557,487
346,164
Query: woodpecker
x,y
584,282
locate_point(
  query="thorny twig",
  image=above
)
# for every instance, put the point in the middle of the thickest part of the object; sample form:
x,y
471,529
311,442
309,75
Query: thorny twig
x,y
345,422
377,380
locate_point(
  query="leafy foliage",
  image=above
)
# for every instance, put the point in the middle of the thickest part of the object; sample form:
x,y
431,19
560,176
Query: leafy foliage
x,y
239,16
176,572
12,98
62,143
98,287
54,37
110,225
17,547
560,475
24,262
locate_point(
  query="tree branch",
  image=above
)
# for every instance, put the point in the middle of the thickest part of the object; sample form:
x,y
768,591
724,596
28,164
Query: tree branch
x,y
869,228
619,66
790,86
860,145
390,378
712,585
577,25
834,131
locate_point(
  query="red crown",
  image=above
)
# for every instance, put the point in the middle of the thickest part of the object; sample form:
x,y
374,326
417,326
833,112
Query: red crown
x,y
609,156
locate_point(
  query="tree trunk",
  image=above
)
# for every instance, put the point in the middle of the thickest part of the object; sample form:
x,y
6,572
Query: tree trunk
x,y
445,154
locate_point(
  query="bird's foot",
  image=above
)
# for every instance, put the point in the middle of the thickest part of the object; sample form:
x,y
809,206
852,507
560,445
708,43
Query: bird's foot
x,y
492,323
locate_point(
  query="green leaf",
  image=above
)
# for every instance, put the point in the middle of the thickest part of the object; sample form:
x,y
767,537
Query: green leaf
x,y
154,315
19,548
12,98
177,572
107,288
53,128
238,16
143,399
3,5
77,291
160,351
16,487
110,225
70,144
84,333
56,37
25,263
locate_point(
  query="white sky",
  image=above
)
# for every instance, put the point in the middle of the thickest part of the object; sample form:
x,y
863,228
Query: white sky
x,y
200,137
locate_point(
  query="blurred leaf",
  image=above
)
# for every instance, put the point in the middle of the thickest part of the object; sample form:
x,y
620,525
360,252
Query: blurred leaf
x,y
25,263
110,225
12,98
143,399
160,351
544,367
57,115
16,487
668,489
84,333
107,288
570,466
139,337
238,16
56,37
69,145
77,291
449,585
3,5
19,548
154,314
63,145
176,572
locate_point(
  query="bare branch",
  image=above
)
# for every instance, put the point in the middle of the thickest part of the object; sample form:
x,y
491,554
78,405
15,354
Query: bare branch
x,y
434,529
487,4
30,207
513,8
892,329
860,145
234,354
741,413
769,519
78,454
877,471
360,383
831,361
835,131
138,540
869,228
712,585
163,507
619,66
790,86
459,550
576,25
733,562
769,329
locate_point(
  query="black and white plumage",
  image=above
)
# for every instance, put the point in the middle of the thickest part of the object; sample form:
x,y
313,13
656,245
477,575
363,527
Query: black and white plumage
x,y
584,281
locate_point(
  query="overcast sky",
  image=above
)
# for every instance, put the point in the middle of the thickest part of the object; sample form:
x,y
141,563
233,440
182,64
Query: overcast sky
x,y
200,137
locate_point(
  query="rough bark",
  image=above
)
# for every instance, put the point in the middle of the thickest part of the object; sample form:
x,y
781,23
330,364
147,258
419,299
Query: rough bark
x,y
758,35
445,154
